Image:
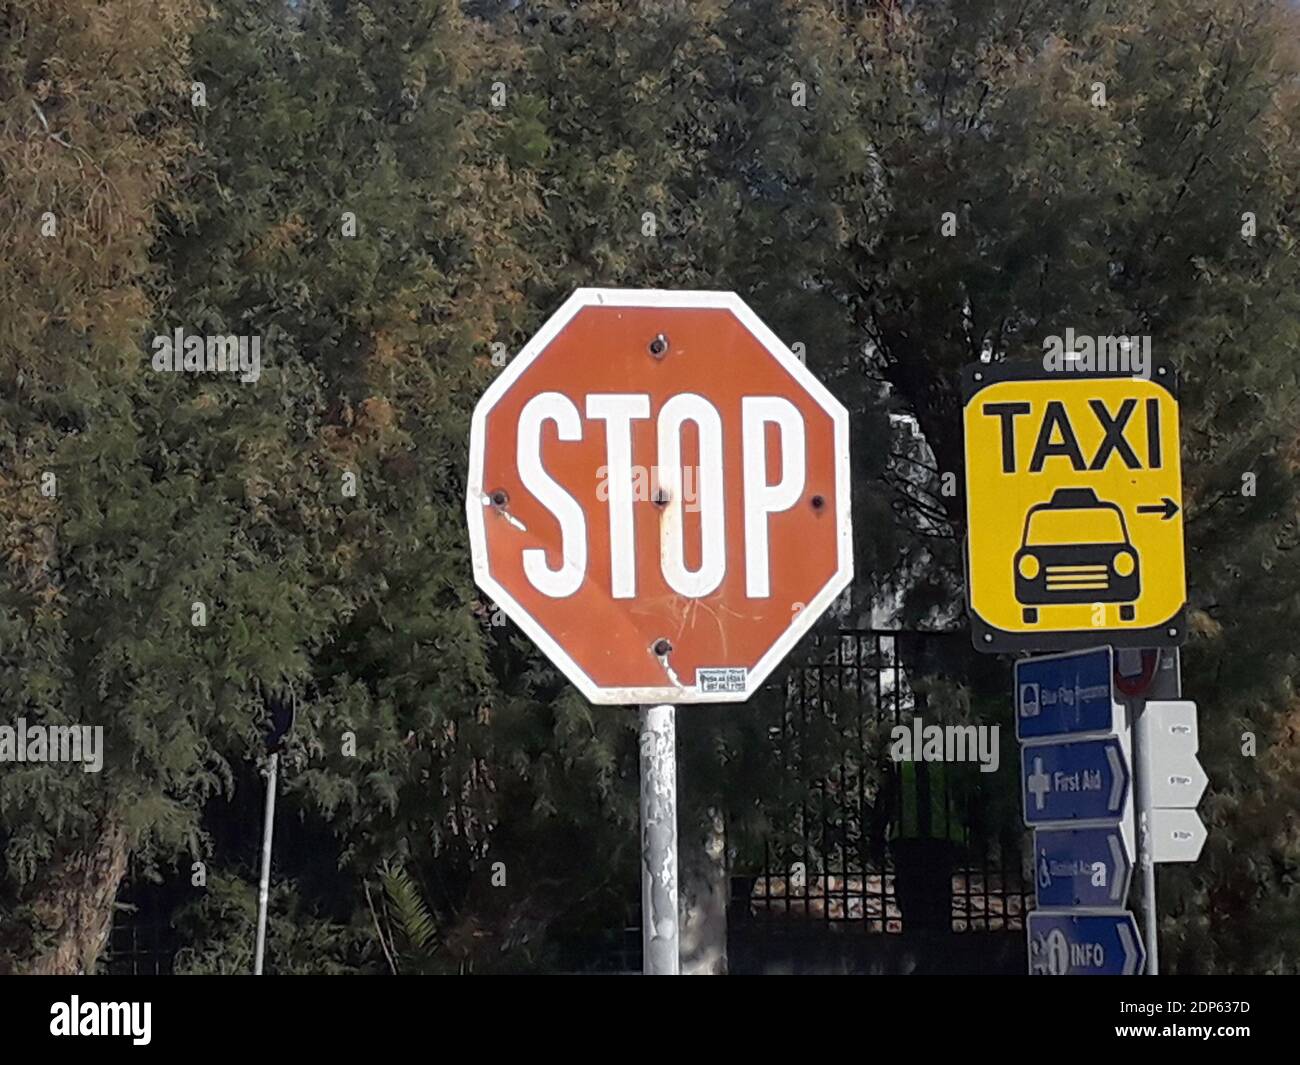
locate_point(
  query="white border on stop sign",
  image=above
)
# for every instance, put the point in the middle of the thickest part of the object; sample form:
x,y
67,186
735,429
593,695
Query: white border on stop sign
x,y
477,501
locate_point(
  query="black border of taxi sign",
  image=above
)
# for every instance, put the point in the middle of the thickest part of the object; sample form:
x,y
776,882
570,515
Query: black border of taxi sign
x,y
1068,466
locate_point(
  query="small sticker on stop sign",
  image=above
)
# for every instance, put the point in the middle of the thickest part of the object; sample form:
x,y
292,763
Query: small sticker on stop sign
x,y
659,496
712,681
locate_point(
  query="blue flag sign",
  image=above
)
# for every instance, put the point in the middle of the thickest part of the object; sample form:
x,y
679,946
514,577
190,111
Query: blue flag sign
x,y
1065,694
1066,944
1087,867
1081,780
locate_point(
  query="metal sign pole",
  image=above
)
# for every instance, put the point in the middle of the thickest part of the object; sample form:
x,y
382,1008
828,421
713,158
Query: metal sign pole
x,y
659,919
264,887
1146,861
1160,678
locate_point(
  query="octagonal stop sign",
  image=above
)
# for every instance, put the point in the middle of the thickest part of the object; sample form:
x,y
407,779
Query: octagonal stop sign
x,y
659,495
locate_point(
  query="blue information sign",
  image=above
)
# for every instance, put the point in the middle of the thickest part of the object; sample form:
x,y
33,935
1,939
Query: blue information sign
x,y
1087,867
1065,944
1065,694
1082,780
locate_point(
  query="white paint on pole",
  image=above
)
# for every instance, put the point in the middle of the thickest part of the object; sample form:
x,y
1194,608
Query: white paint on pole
x,y
1146,862
660,931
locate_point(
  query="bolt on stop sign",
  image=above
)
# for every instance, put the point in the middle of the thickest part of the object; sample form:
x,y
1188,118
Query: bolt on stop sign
x,y
659,495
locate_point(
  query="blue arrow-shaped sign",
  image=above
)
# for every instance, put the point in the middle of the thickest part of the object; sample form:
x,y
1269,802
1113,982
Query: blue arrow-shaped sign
x,y
1066,944
1065,694
1086,867
1083,780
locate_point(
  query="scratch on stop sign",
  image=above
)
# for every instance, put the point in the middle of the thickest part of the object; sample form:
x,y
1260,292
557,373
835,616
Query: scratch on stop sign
x,y
688,609
672,673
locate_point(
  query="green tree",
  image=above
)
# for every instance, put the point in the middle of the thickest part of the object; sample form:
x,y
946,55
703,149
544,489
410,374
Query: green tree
x,y
91,130
353,203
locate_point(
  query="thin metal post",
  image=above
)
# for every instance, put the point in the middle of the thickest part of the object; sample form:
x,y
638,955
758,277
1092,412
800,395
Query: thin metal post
x,y
659,918
1147,867
264,887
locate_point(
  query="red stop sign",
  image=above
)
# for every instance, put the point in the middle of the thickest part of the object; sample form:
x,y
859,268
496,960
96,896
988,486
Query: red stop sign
x,y
659,495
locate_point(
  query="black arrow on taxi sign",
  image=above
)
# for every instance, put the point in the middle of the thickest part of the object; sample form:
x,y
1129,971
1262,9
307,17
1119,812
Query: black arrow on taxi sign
x,y
1166,506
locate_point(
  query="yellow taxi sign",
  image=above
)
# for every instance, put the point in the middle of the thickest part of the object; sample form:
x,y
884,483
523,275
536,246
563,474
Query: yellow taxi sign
x,y
1074,508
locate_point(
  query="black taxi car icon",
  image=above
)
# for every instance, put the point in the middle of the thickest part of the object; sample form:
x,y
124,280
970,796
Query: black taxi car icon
x,y
1076,549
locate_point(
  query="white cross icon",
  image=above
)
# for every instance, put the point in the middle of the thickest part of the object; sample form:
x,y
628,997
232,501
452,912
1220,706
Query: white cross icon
x,y
1039,784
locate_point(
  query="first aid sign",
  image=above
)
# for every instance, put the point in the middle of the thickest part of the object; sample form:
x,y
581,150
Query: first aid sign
x,y
659,495
1073,507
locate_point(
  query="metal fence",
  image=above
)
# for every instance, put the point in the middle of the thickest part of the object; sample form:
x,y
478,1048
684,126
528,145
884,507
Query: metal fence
x,y
837,863
142,941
